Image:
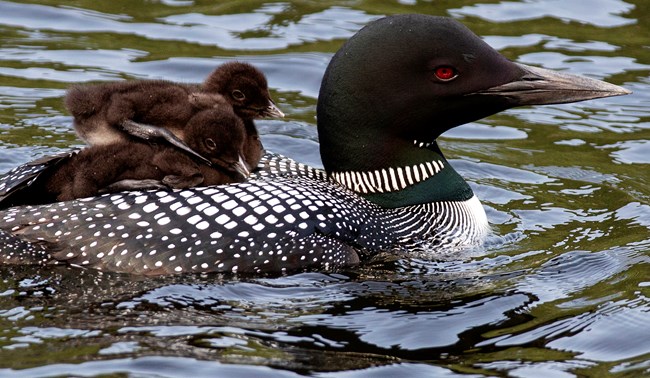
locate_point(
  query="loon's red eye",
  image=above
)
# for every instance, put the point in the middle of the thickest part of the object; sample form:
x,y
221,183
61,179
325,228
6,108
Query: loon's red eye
x,y
445,73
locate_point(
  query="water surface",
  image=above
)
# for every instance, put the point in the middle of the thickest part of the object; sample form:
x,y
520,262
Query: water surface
x,y
560,290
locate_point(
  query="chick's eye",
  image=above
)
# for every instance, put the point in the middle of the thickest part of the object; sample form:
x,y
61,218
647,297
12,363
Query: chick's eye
x,y
210,144
445,73
238,95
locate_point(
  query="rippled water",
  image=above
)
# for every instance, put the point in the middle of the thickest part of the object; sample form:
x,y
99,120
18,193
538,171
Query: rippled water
x,y
561,290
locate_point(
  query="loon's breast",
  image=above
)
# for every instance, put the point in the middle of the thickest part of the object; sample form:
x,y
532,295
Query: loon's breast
x,y
288,217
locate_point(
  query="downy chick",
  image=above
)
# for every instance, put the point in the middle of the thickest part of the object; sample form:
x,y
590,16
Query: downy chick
x,y
218,134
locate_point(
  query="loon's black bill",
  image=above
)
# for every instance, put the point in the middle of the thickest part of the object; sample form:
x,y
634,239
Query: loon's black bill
x,y
539,86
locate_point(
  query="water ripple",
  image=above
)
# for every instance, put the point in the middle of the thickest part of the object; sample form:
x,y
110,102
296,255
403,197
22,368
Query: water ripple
x,y
602,13
221,31
425,329
572,272
630,151
622,323
150,366
561,285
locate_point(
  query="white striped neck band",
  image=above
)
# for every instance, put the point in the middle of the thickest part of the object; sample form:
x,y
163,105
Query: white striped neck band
x,y
387,179
422,144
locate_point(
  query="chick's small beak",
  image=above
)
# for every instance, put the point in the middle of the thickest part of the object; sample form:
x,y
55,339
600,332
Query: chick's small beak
x,y
240,167
272,111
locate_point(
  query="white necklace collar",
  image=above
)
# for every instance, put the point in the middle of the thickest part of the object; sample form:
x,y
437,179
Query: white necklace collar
x,y
387,179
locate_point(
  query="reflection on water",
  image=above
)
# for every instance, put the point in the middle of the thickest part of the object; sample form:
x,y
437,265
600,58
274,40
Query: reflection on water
x,y
561,289
602,13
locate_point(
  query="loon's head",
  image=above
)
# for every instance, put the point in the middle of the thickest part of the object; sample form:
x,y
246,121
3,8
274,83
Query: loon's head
x,y
403,80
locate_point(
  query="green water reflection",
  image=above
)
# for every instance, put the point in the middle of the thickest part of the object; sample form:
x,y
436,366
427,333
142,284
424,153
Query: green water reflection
x,y
561,291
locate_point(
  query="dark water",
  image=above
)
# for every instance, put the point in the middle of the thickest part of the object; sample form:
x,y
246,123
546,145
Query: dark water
x,y
561,290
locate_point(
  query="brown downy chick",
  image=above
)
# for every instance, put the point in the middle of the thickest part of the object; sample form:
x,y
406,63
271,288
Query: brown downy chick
x,y
107,113
216,133
99,110
246,89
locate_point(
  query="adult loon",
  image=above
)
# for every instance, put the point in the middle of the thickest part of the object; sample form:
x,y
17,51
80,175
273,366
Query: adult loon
x,y
386,96
216,133
105,113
